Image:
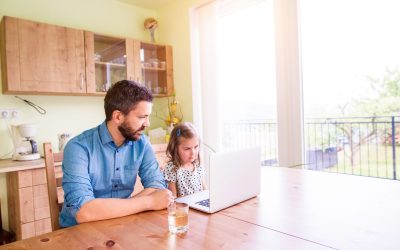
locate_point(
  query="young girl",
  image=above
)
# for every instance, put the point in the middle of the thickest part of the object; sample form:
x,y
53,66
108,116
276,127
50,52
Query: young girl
x,y
183,173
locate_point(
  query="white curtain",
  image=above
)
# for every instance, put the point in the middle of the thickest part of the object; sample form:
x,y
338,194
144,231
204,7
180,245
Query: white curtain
x,y
204,73
227,7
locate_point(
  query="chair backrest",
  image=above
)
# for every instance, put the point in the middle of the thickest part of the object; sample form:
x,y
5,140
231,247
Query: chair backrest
x,y
54,181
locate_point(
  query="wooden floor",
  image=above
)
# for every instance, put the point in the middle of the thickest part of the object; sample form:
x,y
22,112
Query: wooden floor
x,y
297,209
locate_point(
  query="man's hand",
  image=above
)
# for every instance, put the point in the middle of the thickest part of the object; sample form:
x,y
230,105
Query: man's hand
x,y
160,199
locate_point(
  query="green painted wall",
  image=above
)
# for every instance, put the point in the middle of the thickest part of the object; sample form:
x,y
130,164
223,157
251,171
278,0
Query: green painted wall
x,y
175,17
111,17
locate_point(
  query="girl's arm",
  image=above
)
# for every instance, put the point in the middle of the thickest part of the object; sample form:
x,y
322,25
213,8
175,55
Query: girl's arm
x,y
172,188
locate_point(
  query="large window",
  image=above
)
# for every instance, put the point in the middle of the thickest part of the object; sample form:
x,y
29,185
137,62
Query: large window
x,y
351,81
322,76
242,72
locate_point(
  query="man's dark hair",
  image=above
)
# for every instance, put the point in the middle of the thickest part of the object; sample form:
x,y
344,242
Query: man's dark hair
x,y
124,96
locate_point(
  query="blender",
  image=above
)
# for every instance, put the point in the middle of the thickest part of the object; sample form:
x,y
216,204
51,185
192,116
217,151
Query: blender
x,y
25,148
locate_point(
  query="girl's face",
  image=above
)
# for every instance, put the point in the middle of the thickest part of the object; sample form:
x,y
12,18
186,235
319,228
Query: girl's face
x,y
188,149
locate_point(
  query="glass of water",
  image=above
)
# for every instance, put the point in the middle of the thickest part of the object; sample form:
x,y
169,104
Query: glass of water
x,y
178,217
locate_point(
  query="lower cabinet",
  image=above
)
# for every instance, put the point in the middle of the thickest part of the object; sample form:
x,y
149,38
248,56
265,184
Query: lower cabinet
x,y
28,203
29,211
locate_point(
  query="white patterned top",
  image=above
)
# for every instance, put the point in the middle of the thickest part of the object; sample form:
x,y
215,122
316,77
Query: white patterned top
x,y
187,182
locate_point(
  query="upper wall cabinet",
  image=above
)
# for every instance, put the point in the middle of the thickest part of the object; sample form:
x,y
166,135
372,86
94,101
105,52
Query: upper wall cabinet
x,y
108,60
41,58
154,67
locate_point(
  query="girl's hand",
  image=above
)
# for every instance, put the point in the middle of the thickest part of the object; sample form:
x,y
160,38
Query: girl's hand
x,y
172,187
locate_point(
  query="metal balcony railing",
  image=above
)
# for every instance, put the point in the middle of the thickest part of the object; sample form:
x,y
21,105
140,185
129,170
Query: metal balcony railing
x,y
365,146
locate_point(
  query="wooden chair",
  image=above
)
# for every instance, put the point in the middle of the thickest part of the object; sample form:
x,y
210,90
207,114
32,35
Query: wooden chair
x,y
54,181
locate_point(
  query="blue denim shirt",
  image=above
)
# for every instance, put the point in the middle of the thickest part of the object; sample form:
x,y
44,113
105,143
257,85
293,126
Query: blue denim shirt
x,y
94,167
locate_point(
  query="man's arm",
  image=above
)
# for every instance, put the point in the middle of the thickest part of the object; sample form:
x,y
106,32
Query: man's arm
x,y
101,209
145,191
153,197
149,172
82,206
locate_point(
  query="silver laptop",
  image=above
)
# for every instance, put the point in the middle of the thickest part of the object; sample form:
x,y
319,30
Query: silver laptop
x,y
233,177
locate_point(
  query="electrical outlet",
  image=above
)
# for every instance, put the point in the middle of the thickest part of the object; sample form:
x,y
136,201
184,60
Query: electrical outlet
x,y
14,114
9,114
4,113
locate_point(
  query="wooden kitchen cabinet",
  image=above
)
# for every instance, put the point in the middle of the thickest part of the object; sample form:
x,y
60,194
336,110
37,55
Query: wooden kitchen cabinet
x,y
108,60
40,58
29,211
154,67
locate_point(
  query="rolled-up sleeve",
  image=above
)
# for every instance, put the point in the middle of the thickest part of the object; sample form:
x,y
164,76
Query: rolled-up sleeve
x,y
149,172
76,182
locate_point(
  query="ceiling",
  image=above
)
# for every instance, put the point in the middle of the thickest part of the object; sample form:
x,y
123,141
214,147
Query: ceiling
x,y
149,4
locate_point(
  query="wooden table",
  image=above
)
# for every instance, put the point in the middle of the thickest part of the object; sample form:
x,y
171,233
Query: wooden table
x,y
336,210
297,209
149,230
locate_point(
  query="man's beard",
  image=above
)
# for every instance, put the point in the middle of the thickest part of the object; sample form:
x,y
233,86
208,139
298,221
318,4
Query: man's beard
x,y
129,133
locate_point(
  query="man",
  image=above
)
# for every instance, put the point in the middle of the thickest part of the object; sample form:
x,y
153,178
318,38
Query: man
x,y
101,164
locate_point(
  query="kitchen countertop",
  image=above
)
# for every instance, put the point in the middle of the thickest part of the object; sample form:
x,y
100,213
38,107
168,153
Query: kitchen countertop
x,y
9,165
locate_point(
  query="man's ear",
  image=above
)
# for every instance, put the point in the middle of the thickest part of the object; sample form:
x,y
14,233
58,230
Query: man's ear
x,y
118,117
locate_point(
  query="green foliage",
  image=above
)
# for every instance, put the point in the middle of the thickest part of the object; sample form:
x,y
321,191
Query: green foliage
x,y
321,135
382,96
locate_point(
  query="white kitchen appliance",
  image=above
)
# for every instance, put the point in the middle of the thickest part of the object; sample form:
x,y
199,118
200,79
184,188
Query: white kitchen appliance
x,y
25,148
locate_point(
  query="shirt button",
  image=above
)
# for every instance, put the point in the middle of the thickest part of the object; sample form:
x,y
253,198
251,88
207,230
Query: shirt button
x,y
115,186
117,169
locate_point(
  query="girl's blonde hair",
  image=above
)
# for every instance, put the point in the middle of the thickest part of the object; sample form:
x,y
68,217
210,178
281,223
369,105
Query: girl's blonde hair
x,y
182,130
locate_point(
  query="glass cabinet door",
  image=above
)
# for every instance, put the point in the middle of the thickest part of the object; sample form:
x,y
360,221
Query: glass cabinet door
x,y
156,68
110,61
107,61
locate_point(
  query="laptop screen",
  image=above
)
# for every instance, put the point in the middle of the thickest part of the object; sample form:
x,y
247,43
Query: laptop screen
x,y
233,177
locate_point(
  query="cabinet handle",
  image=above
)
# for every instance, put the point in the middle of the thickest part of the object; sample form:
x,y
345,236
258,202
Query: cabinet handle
x,y
81,75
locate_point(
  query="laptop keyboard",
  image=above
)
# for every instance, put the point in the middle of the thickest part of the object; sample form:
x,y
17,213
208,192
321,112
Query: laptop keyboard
x,y
205,203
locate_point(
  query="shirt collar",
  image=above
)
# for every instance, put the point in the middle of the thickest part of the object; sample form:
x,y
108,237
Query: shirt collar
x,y
105,135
